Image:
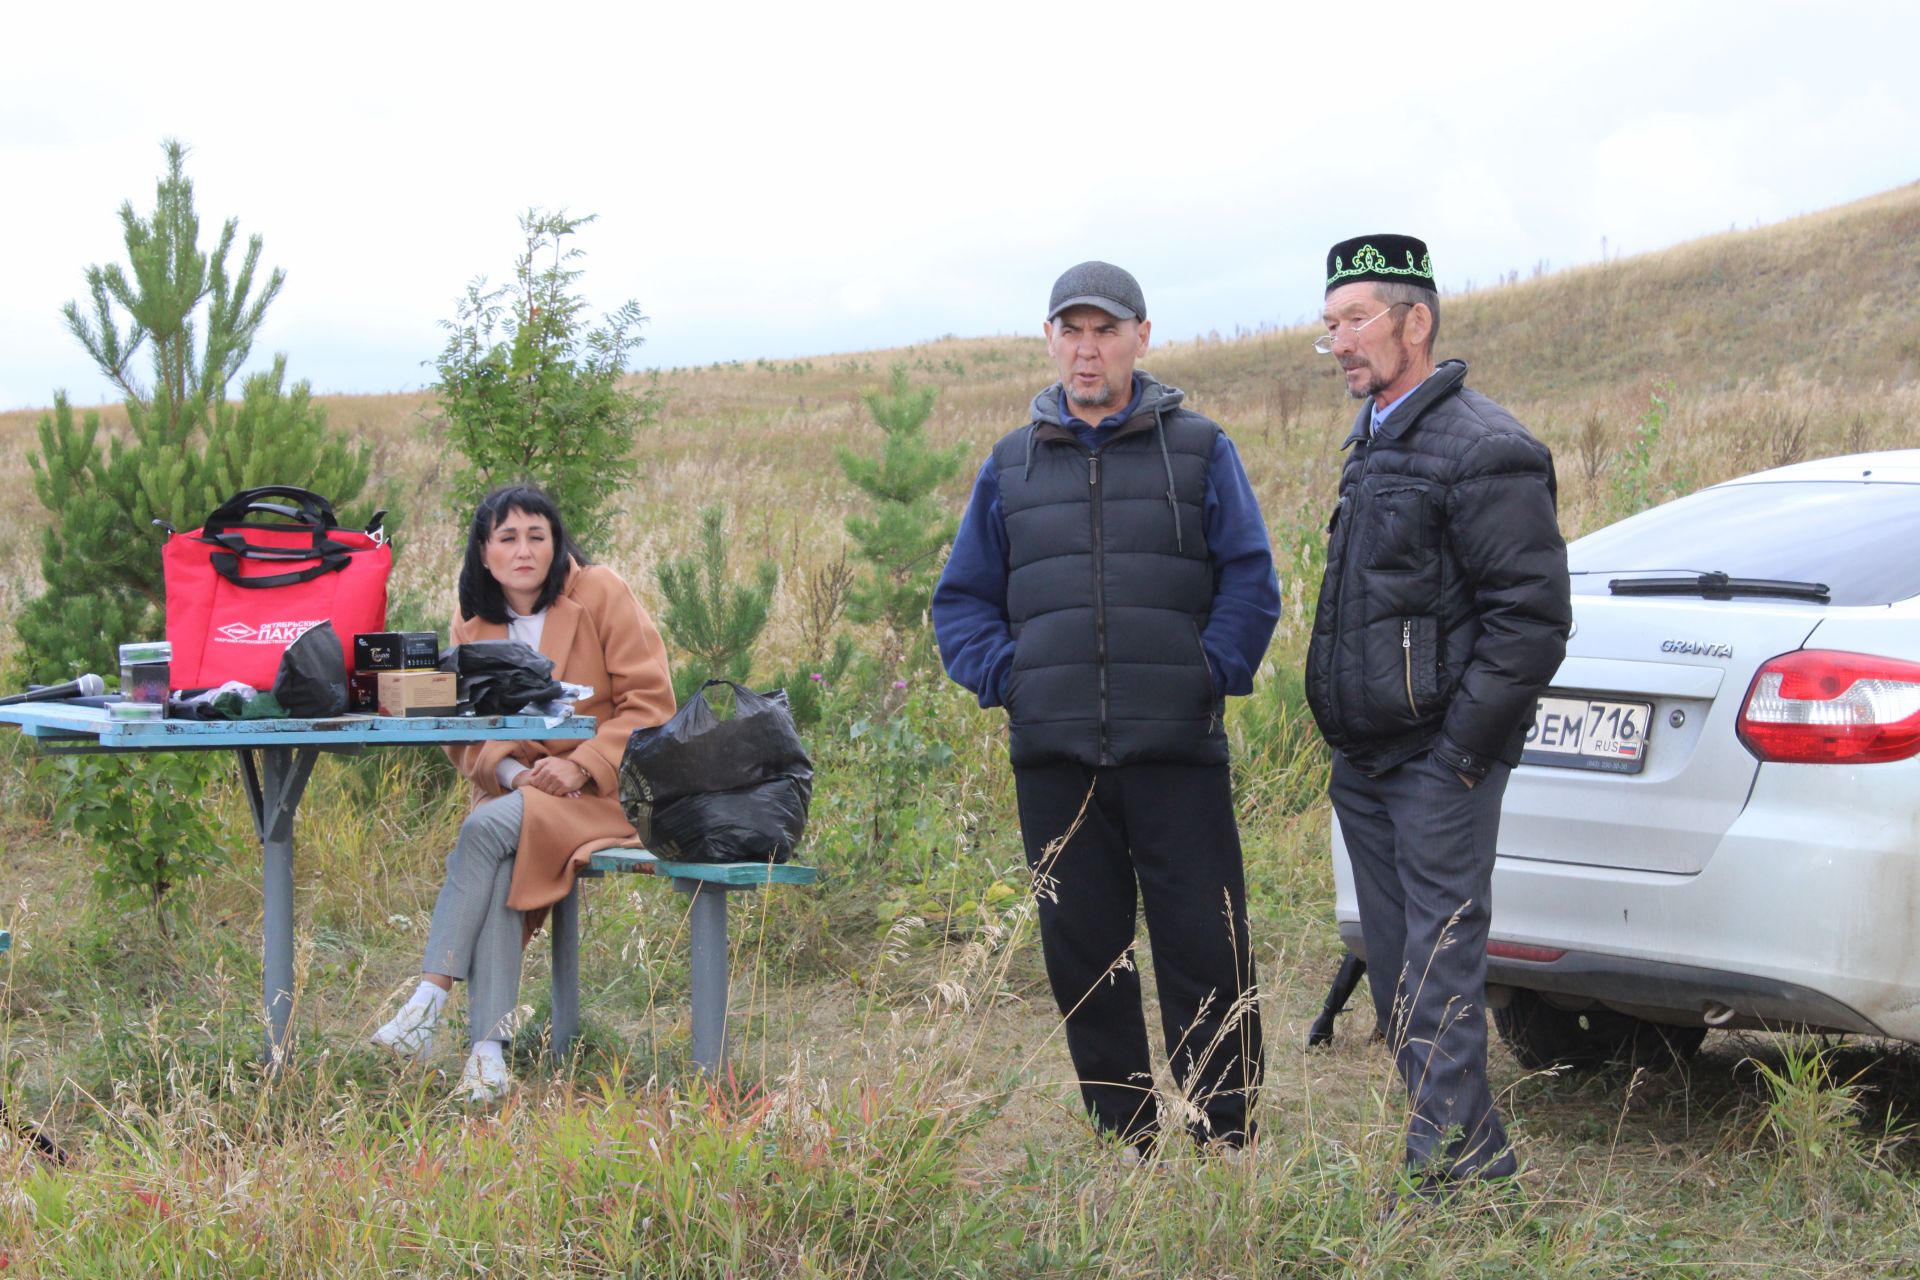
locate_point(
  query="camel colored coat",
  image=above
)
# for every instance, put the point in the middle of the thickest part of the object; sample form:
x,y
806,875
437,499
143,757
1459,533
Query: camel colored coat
x,y
597,634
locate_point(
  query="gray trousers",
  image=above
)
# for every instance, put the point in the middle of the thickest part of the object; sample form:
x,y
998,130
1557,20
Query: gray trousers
x,y
475,936
1422,847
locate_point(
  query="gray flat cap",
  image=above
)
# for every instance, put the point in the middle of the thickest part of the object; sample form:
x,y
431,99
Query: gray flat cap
x,y
1098,284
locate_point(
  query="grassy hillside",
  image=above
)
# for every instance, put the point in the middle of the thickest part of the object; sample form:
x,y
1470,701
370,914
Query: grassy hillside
x,y
901,1104
1782,342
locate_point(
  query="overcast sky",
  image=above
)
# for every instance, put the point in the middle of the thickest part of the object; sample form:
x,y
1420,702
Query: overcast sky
x,y
800,179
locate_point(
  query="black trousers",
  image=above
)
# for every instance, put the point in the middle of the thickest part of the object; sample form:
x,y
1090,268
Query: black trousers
x,y
1162,837
1422,847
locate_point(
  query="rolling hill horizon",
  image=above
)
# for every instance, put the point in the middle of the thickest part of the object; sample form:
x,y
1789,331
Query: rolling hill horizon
x,y
1765,346
1780,300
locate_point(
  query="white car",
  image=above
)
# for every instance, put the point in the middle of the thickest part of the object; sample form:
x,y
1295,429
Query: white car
x,y
1717,820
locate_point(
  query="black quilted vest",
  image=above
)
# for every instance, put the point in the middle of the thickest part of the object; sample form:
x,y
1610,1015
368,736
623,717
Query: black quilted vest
x,y
1109,586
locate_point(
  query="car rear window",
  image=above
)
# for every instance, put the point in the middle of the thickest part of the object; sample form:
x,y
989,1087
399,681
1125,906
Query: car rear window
x,y
1859,539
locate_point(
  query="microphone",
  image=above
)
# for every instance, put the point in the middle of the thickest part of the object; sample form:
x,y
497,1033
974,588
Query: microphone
x,y
87,686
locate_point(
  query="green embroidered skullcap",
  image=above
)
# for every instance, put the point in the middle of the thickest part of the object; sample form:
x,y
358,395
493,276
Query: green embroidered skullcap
x,y
1384,258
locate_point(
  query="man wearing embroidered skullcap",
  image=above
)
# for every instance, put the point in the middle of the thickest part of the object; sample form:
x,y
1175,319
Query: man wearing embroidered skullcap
x,y
1443,614
1110,584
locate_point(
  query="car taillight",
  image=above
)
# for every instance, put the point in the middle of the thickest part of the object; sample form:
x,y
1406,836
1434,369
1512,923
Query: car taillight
x,y
1819,706
1521,951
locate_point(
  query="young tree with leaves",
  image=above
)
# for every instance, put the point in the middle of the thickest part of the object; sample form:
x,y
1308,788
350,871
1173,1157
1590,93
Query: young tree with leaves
x,y
530,389
713,619
186,448
901,541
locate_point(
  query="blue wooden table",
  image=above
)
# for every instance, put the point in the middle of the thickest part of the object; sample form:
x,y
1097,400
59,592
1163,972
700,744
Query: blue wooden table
x,y
276,759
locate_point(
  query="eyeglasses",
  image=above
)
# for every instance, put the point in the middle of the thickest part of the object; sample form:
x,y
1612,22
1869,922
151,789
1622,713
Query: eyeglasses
x,y
1324,343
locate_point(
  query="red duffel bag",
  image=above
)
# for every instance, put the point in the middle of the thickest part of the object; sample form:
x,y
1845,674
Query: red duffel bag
x,y
246,584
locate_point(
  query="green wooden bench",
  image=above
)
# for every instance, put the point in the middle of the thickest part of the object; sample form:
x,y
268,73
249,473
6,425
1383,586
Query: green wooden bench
x,y
709,885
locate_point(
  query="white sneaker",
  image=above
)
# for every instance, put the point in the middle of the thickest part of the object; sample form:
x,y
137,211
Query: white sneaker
x,y
485,1079
410,1033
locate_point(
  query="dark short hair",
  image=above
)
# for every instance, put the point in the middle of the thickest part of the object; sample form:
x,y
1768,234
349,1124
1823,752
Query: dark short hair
x,y
1397,293
480,594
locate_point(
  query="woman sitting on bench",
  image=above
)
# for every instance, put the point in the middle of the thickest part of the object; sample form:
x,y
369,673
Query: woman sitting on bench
x,y
540,809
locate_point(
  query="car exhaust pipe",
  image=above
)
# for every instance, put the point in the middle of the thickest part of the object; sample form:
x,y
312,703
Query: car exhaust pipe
x,y
1717,1014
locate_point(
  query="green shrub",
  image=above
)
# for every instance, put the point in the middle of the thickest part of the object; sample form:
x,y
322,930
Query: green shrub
x,y
1634,489
715,621
186,448
529,389
145,817
903,538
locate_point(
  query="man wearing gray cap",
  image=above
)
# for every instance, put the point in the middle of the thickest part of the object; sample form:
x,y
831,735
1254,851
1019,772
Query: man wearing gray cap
x,y
1110,584
1443,614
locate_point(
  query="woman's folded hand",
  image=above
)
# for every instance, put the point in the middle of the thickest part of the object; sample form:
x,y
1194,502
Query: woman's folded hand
x,y
555,776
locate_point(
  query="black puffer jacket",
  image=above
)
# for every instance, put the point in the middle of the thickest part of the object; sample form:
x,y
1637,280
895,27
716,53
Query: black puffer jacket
x,y
1109,584
1444,611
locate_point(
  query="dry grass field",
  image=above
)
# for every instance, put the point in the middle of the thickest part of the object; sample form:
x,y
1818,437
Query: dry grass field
x,y
900,1104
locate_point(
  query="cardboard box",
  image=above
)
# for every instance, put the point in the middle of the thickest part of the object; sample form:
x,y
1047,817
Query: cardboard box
x,y
418,693
396,651
363,692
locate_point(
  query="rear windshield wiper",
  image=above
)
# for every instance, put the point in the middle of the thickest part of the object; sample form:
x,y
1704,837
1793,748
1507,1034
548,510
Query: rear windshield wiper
x,y
1718,586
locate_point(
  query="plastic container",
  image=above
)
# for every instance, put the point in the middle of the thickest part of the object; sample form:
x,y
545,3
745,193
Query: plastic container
x,y
144,671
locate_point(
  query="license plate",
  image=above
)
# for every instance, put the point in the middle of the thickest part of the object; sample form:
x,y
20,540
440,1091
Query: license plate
x,y
1588,733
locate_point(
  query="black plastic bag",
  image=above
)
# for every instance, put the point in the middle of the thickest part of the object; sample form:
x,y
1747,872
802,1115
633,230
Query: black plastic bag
x,y
761,823
312,681
702,789
498,677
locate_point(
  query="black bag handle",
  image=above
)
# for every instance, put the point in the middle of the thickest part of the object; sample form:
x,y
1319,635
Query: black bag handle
x,y
309,508
739,690
744,696
308,513
227,565
237,544
291,513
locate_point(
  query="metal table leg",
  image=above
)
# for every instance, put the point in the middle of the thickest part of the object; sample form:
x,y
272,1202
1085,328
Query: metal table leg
x,y
566,972
710,972
275,782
